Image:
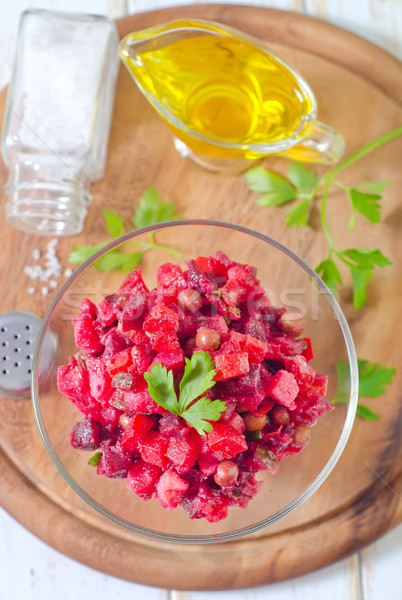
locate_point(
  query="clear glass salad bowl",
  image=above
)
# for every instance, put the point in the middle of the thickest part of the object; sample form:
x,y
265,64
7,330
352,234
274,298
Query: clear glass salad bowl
x,y
290,283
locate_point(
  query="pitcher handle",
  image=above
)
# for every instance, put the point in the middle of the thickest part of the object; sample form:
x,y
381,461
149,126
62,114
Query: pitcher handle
x,y
323,145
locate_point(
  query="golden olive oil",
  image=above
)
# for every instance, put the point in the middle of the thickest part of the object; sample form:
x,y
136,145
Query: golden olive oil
x,y
223,88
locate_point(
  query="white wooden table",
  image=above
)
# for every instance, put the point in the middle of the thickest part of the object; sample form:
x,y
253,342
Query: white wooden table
x,y
31,570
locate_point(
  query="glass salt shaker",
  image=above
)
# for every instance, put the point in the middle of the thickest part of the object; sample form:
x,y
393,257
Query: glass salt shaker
x,y
57,121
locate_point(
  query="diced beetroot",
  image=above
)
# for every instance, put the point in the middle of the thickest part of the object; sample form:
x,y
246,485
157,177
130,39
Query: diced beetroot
x,y
226,441
141,479
153,449
167,343
197,279
162,324
114,342
236,421
161,319
142,355
265,407
207,504
73,382
203,262
133,313
88,308
119,362
320,384
114,461
255,348
109,417
133,283
251,388
284,389
290,346
171,281
246,488
207,463
231,365
304,373
308,351
99,379
172,362
170,489
85,435
170,424
86,337
136,430
107,313
138,401
216,322
183,449
239,285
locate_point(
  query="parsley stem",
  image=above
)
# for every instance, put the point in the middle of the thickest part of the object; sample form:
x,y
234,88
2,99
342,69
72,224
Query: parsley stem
x,y
341,185
165,249
323,214
366,149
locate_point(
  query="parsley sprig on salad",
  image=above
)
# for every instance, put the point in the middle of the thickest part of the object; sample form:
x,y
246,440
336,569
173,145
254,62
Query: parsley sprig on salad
x,y
197,378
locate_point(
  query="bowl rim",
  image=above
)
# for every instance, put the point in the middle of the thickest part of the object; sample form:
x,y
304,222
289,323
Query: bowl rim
x,y
249,529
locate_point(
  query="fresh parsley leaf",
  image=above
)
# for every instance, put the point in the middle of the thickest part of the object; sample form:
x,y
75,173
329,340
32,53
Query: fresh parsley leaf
x,y
201,412
132,261
303,179
161,387
275,188
197,378
152,210
298,214
80,253
374,378
366,413
364,258
114,259
377,187
113,223
366,204
94,460
360,279
329,273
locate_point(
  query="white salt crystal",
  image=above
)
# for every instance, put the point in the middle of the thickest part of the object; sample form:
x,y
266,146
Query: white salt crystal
x,y
68,272
36,254
53,283
31,290
44,290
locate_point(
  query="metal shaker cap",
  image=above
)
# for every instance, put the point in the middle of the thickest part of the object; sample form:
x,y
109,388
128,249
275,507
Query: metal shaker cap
x,y
18,334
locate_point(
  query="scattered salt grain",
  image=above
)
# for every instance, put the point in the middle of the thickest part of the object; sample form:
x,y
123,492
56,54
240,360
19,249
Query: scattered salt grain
x,y
44,290
36,254
31,290
68,273
53,284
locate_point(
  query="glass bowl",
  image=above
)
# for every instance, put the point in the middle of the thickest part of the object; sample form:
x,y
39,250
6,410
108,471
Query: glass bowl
x,y
289,282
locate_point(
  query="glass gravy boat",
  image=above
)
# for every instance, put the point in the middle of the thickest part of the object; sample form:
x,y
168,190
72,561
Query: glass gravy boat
x,y
227,97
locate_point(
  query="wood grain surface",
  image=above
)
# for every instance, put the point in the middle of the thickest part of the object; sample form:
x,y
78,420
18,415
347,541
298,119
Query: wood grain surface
x,y
357,86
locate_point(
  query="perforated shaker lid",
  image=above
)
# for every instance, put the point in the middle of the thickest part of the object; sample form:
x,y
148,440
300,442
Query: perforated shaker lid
x,y
18,334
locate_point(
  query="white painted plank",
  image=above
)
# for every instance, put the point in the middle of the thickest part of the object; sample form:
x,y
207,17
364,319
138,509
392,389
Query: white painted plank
x,y
381,568
31,570
379,21
339,581
10,16
143,5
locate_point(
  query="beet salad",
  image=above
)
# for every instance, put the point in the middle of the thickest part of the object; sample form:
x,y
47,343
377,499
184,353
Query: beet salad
x,y
190,389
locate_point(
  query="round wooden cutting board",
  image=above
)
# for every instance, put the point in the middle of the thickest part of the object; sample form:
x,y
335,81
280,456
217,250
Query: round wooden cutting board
x,y
358,87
